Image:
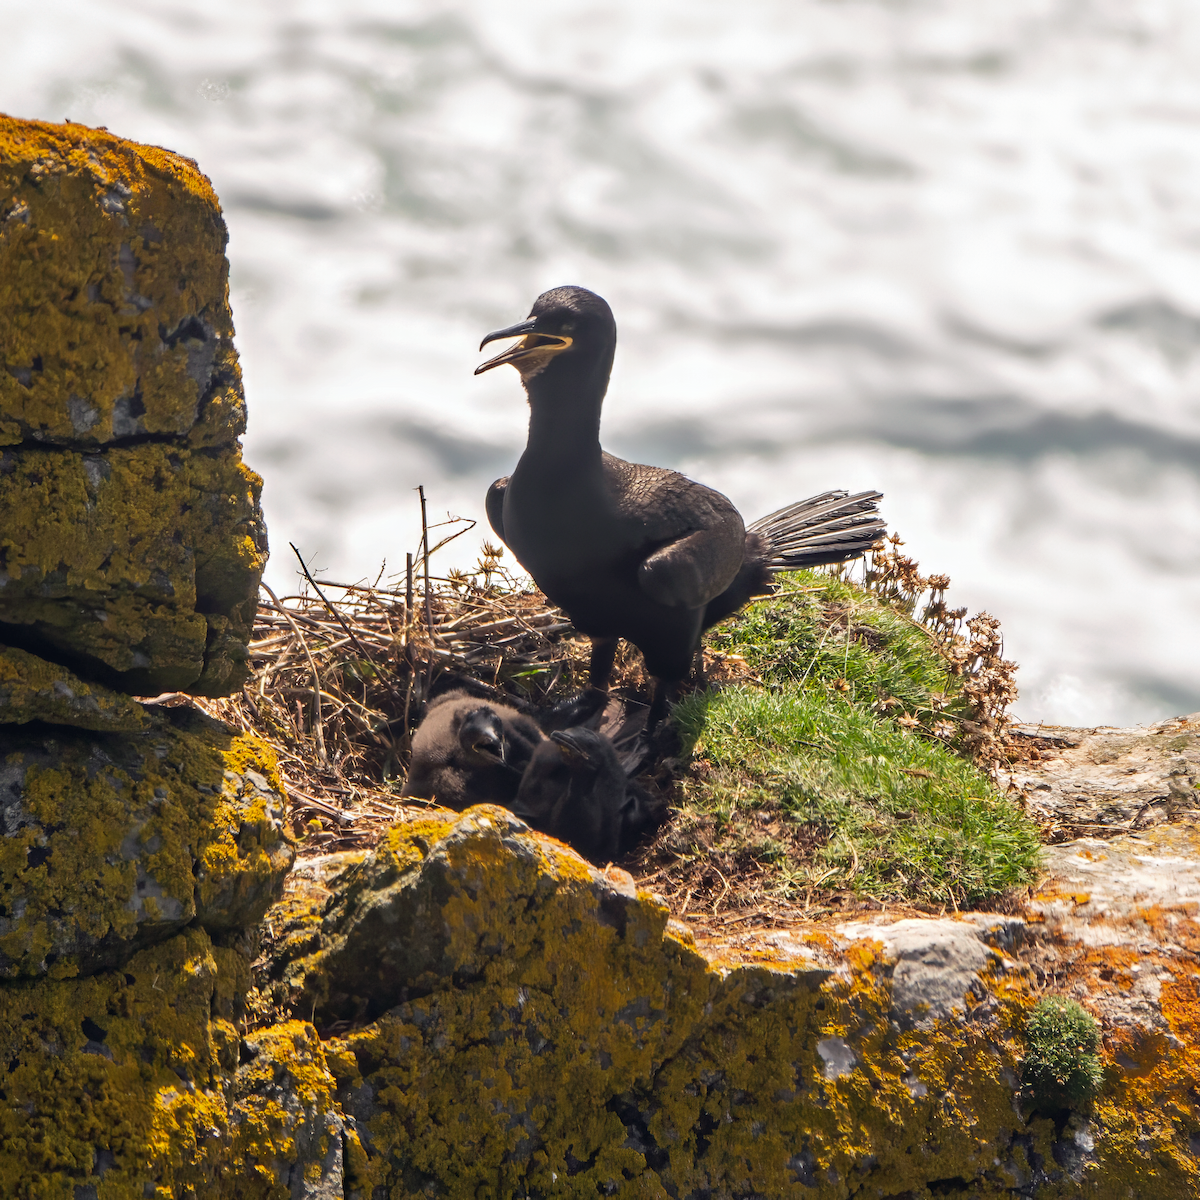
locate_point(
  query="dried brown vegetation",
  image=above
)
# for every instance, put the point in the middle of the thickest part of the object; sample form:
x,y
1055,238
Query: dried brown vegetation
x,y
975,657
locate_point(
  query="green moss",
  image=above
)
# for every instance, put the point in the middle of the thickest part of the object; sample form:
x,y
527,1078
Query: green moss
x,y
1061,1067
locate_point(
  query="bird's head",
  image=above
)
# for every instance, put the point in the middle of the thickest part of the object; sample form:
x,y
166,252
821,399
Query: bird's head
x,y
568,327
482,734
582,749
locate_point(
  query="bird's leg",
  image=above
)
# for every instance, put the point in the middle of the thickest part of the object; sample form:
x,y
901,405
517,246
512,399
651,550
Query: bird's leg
x,y
664,697
586,708
604,653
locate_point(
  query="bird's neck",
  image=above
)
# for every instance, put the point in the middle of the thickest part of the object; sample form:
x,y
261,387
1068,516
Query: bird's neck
x,y
564,428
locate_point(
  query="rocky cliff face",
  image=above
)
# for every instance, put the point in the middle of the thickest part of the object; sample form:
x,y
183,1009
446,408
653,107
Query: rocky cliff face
x,y
131,542
131,546
469,1009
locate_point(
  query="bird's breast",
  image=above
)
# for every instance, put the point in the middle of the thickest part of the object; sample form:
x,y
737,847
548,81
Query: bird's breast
x,y
565,533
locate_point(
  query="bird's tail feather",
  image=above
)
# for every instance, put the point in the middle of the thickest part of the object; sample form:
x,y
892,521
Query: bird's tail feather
x,y
829,528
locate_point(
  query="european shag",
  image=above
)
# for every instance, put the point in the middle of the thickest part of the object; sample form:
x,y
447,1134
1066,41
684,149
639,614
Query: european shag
x,y
576,790
466,752
633,551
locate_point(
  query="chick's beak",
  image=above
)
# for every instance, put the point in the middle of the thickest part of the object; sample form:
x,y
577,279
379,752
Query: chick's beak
x,y
531,342
569,746
489,745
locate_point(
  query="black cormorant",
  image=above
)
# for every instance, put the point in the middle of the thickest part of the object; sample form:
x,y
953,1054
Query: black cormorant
x,y
576,790
466,752
635,551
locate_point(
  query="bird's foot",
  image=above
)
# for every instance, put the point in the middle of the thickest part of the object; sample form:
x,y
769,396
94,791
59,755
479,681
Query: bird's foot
x,y
586,708
652,748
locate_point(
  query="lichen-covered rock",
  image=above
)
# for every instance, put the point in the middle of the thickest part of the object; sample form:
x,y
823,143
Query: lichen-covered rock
x,y
244,851
1085,779
541,1028
288,1130
32,689
115,1080
114,558
550,1032
131,540
114,313
125,1084
112,841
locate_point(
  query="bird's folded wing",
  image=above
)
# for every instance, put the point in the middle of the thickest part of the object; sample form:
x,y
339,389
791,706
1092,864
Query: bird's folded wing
x,y
493,505
689,572
694,538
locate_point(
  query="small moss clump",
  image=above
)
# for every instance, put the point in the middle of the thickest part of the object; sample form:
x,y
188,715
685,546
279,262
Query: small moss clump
x,y
1061,1067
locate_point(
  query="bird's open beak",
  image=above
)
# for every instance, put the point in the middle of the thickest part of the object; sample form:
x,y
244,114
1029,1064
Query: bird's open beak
x,y
490,746
531,344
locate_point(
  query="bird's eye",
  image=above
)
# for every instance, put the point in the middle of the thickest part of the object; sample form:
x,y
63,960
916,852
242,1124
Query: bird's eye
x,y
567,327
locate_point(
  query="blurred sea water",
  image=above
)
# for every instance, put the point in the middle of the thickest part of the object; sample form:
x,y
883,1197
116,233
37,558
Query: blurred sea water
x,y
948,250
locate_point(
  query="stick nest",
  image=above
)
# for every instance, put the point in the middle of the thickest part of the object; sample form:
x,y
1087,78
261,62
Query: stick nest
x,y
341,674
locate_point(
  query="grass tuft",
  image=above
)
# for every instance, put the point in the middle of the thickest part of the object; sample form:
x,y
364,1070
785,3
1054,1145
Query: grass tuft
x,y
848,755
882,810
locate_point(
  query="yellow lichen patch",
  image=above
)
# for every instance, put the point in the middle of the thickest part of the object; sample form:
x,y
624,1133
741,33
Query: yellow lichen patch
x,y
93,832
407,844
249,752
560,1041
509,1079
115,1070
114,314
106,557
32,689
1053,890
1147,1111
233,982
1144,1121
107,831
245,850
124,1083
282,1111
